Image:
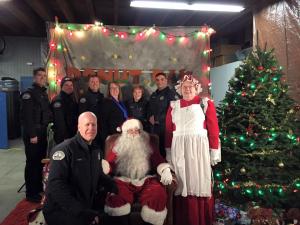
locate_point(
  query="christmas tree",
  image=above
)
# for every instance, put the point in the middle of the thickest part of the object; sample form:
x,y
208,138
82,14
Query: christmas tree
x,y
259,136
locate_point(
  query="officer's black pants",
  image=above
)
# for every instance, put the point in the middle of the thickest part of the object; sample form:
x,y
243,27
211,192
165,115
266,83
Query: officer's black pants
x,y
160,131
34,168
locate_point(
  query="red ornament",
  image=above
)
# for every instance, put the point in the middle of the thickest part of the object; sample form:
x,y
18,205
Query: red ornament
x,y
273,68
260,68
244,93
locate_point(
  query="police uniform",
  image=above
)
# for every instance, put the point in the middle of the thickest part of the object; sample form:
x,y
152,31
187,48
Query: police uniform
x,y
93,102
65,115
158,107
138,110
75,178
35,116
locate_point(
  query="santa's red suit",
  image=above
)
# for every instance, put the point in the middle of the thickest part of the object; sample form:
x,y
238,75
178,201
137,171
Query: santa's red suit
x,y
192,146
134,162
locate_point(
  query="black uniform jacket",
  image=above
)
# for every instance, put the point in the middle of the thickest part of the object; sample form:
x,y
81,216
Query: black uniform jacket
x,y
159,103
65,115
138,110
91,101
35,110
75,177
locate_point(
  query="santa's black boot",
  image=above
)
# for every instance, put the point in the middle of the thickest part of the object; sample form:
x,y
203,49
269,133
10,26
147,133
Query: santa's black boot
x,y
145,223
118,220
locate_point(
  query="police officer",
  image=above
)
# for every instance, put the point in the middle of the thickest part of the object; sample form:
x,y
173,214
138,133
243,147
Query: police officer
x,y
75,178
93,101
137,106
158,106
35,116
65,112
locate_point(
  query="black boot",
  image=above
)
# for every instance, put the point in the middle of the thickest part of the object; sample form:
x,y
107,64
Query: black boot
x,y
118,220
145,223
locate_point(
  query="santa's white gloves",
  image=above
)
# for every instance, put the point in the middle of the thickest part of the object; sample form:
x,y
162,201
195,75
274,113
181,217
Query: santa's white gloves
x,y
166,177
164,171
215,156
105,166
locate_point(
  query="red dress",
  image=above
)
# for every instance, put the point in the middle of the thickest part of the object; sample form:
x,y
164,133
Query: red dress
x,y
192,141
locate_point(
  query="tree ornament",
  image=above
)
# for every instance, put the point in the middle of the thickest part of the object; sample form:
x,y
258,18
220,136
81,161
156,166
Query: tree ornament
x,y
227,171
270,99
273,68
281,164
243,170
260,68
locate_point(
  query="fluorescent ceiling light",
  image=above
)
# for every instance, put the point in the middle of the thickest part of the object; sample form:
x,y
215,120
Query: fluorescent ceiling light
x,y
186,6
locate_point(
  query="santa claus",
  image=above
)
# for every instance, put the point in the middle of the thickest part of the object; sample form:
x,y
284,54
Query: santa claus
x,y
135,163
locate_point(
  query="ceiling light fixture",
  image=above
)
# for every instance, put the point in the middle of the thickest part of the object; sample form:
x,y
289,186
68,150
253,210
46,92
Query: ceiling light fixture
x,y
186,6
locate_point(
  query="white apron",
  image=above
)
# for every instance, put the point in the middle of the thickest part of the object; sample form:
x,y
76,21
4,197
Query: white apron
x,y
190,151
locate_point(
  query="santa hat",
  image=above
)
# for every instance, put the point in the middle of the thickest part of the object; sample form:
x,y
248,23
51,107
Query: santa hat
x,y
131,124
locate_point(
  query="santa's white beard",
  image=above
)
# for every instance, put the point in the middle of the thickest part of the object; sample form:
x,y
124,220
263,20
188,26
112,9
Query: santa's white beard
x,y
133,155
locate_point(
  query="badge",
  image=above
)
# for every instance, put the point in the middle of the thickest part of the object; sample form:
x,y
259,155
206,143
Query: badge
x,y
26,96
162,98
59,155
82,100
57,105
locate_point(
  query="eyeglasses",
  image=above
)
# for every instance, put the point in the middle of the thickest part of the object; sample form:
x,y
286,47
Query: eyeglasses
x,y
188,87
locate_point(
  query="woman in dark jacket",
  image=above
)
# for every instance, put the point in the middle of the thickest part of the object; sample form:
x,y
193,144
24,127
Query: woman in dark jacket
x,y
114,110
137,106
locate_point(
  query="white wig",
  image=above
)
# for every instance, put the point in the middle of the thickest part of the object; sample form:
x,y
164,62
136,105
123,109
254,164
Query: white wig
x,y
189,78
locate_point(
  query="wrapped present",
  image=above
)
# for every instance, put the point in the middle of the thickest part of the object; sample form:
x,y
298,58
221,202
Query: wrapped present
x,y
244,220
293,215
227,212
262,216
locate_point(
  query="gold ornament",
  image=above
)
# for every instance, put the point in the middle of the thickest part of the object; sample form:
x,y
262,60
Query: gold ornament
x,y
270,99
130,56
281,164
82,57
228,171
243,170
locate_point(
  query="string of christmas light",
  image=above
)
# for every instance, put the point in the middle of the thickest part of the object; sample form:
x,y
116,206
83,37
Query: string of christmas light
x,y
252,188
139,33
79,31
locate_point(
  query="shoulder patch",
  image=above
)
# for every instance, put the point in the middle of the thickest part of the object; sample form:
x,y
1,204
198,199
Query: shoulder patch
x,y
82,100
26,96
57,105
58,155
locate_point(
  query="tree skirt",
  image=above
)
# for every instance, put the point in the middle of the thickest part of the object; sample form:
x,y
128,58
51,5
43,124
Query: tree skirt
x,y
18,216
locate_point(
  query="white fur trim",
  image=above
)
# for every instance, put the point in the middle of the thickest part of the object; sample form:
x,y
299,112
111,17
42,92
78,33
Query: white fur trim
x,y
135,182
215,156
118,211
205,103
105,166
152,216
161,167
131,124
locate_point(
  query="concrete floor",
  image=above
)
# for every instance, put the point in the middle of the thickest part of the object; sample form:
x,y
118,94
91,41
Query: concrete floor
x,y
12,163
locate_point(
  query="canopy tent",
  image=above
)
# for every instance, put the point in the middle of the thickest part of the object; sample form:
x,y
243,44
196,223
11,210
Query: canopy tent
x,y
127,54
